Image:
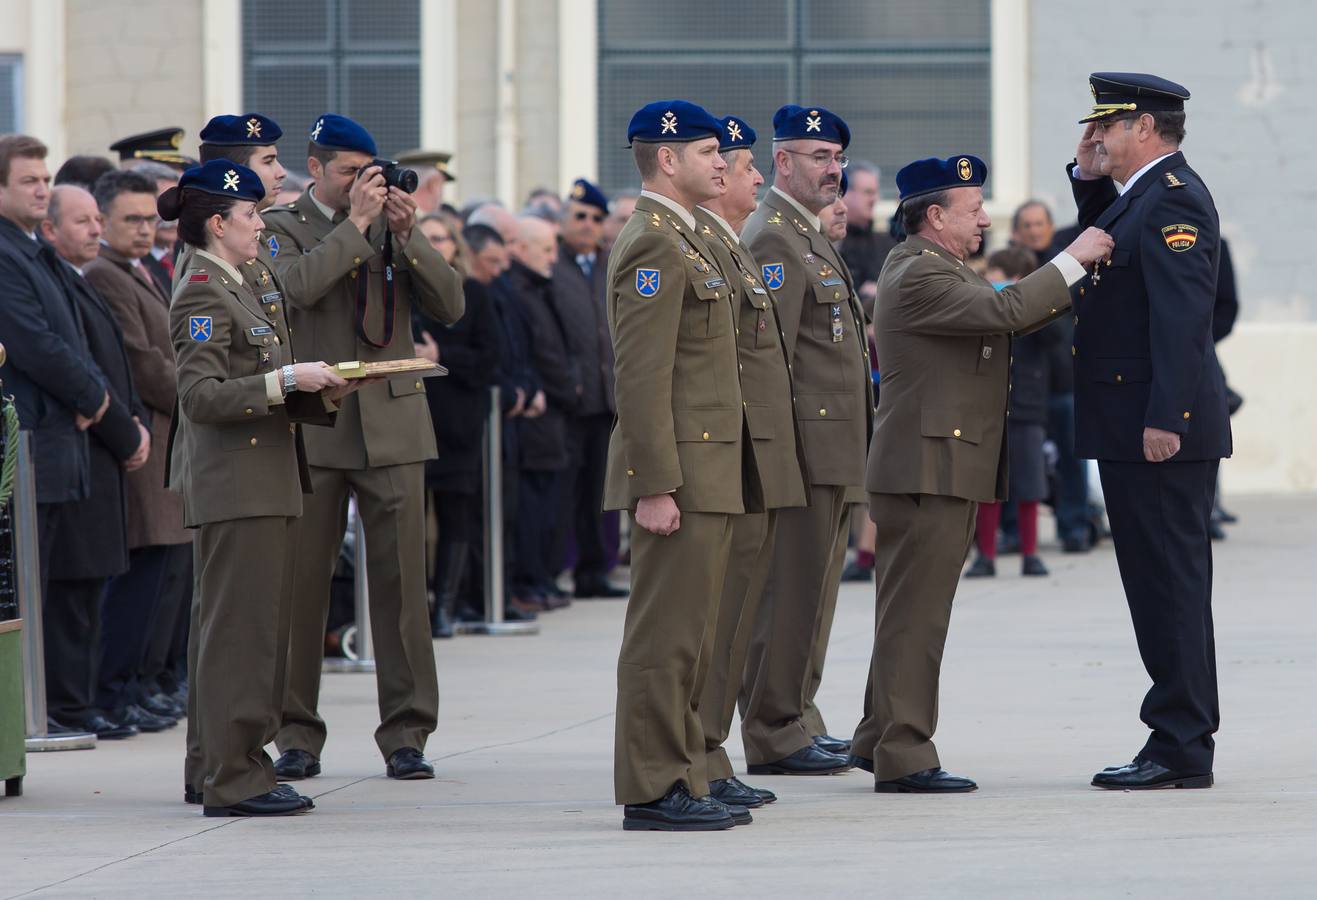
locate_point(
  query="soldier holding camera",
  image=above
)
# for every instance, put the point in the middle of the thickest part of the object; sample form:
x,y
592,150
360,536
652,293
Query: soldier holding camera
x,y
352,265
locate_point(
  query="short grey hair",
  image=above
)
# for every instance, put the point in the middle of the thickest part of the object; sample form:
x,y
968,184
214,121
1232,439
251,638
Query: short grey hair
x,y
863,165
157,171
914,209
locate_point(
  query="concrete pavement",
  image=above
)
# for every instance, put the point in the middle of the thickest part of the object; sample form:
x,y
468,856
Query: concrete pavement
x,y
1040,688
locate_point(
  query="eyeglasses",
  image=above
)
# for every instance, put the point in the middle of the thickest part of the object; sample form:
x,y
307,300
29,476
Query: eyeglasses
x,y
581,215
822,158
139,221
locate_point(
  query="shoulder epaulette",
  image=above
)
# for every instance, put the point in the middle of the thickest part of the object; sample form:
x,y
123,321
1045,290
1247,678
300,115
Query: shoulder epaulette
x,y
1172,181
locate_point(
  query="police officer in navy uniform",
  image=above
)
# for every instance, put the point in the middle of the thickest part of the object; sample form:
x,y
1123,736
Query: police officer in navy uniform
x,y
1151,405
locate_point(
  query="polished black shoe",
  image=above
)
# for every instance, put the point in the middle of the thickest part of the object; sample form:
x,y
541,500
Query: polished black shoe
x,y
193,796
829,744
103,728
740,814
860,762
1146,775
287,790
163,705
982,567
271,803
856,572
927,781
1225,515
676,810
733,792
1033,566
146,722
296,765
805,761
407,764
600,590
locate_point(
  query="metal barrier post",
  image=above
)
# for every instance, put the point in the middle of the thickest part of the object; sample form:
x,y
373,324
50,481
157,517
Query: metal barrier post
x,y
364,658
27,562
493,494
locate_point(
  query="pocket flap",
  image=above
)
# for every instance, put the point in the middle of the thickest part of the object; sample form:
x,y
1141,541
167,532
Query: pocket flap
x,y
759,417
710,287
957,424
831,290
260,336
1120,258
402,387
821,407
1128,370
713,425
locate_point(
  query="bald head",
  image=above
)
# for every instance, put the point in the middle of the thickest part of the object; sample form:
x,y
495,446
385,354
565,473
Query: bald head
x,y
496,217
536,245
73,224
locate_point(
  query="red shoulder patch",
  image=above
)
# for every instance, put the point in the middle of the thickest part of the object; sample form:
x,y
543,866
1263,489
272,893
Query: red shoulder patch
x,y
196,277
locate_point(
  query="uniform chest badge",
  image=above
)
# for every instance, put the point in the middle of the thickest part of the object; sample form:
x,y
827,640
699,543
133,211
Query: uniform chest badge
x,y
647,282
1180,237
265,278
273,244
774,274
199,327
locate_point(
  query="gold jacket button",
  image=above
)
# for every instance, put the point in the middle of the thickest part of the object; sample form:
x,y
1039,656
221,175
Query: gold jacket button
x,y
248,410
277,339
253,442
705,435
823,412
352,274
418,385
836,295
631,471
265,340
273,308
1119,379
356,260
1053,311
956,432
1073,351
414,262
1186,415
1081,292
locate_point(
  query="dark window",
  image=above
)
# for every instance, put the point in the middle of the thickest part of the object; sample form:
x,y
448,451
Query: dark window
x,y
11,94
358,58
911,78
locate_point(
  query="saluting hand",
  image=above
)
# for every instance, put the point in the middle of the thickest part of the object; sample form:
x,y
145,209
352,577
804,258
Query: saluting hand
x,y
1091,246
1159,445
1086,155
658,514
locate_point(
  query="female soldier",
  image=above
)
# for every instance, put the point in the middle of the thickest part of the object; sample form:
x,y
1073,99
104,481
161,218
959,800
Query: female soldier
x,y
237,459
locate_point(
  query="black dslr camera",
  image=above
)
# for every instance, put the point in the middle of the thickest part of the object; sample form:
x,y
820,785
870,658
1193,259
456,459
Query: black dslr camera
x,y
401,177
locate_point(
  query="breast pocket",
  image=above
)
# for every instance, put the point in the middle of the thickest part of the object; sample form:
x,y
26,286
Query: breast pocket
x,y
757,316
831,311
709,314
256,354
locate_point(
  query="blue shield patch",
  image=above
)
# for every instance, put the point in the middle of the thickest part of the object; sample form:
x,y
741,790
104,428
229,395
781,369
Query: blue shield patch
x,y
774,274
273,244
647,282
199,327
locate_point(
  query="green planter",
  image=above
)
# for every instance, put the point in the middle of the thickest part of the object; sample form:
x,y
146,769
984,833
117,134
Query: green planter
x,y
13,760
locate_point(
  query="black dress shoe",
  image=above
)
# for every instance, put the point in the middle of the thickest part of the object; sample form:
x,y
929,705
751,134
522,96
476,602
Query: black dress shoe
x,y
1216,531
830,744
145,721
805,761
860,762
287,790
927,781
193,796
296,765
271,803
407,764
856,572
676,810
733,792
600,590
163,705
1146,775
1226,516
982,567
1033,566
740,814
103,728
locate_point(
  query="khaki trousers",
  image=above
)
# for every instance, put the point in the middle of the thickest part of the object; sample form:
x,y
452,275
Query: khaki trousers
x,y
667,643
789,641
743,588
239,647
921,546
391,501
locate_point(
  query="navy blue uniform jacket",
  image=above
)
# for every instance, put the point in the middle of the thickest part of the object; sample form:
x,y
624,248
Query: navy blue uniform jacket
x,y
1143,334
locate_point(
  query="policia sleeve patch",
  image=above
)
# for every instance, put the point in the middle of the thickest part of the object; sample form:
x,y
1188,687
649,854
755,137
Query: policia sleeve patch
x,y
1180,237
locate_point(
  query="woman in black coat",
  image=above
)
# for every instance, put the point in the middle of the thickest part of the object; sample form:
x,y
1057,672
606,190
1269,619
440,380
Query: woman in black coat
x,y
459,406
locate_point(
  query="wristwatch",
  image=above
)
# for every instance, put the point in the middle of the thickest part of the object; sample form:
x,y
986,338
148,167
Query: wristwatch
x,y
289,383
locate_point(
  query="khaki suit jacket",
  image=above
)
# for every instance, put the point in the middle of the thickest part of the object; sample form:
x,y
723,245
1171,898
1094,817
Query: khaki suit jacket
x,y
680,414
234,454
944,338
765,379
823,326
318,266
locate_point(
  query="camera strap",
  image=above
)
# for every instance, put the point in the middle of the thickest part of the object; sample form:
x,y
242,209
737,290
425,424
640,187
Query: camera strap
x,y
363,296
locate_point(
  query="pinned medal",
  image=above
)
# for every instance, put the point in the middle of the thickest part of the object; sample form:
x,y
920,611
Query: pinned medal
x,y
838,332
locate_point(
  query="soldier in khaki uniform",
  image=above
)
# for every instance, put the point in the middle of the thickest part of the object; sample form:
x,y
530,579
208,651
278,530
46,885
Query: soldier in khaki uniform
x,y
770,416
677,462
376,450
824,329
236,456
944,338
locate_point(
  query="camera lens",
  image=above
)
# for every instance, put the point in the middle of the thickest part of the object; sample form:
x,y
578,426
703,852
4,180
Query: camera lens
x,y
403,179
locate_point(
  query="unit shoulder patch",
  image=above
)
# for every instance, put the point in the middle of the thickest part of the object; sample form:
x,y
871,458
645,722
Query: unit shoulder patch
x,y
1180,237
199,328
647,282
773,274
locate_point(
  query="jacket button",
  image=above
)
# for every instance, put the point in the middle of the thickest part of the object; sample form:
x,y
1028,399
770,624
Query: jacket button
x,y
705,435
273,308
631,471
1081,292
265,341
1119,379
836,295
1186,415
987,353
414,262
253,442
1073,351
1076,320
277,340
1053,311
956,432
248,410
823,412
418,385
1108,262
356,260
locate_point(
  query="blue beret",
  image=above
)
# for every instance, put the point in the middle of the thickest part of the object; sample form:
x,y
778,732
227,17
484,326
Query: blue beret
x,y
797,123
737,135
334,132
587,193
250,130
225,178
925,176
672,120
1119,92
